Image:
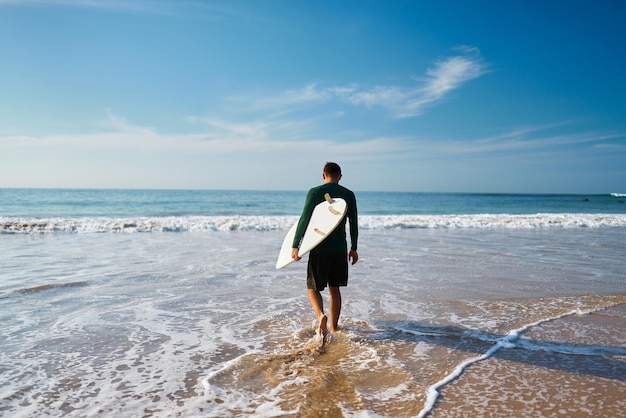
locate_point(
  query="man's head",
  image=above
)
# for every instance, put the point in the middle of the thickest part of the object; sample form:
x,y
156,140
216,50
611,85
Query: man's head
x,y
332,173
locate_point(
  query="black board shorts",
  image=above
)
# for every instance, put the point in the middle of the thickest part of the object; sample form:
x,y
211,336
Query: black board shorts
x,y
327,270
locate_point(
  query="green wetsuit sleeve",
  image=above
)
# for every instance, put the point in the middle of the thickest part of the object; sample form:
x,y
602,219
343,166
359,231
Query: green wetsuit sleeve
x,y
354,225
305,217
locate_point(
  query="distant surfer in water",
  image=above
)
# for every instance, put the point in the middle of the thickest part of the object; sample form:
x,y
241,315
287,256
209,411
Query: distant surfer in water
x,y
328,262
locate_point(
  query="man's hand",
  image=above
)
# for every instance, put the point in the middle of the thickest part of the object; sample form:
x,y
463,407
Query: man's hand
x,y
354,256
294,254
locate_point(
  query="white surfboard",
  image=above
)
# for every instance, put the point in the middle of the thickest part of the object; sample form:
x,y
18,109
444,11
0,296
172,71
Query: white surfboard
x,y
325,218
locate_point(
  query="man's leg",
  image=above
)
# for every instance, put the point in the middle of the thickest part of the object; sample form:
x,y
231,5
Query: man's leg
x,y
335,308
317,304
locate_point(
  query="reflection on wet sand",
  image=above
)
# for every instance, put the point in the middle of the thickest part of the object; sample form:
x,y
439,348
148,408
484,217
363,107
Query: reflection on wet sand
x,y
392,369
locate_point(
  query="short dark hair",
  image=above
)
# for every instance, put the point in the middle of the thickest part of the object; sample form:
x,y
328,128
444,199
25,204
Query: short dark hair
x,y
332,170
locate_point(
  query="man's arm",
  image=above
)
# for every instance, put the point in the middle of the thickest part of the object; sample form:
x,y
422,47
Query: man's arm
x,y
305,217
354,232
353,217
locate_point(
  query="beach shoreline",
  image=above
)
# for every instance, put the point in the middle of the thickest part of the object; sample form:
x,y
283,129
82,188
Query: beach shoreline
x,y
167,324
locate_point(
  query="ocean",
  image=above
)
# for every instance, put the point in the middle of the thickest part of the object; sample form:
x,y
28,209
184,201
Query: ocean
x,y
156,303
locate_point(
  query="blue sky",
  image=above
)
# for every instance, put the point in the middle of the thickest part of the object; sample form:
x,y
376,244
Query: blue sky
x,y
445,96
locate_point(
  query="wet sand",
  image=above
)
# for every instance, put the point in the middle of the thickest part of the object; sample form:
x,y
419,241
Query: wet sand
x,y
451,323
388,371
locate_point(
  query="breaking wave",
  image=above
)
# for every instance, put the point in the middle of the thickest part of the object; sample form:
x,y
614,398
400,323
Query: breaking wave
x,y
268,223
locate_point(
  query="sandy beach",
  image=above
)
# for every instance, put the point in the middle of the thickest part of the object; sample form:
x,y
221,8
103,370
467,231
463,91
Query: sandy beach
x,y
442,322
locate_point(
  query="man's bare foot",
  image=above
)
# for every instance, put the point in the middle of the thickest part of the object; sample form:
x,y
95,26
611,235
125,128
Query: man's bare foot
x,y
322,329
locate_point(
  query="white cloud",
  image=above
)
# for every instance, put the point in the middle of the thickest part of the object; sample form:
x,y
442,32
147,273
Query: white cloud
x,y
127,5
404,102
219,127
400,102
308,94
146,157
96,4
450,74
215,136
147,7
530,139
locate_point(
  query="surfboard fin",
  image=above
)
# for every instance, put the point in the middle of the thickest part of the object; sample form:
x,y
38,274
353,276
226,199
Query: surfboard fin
x,y
328,198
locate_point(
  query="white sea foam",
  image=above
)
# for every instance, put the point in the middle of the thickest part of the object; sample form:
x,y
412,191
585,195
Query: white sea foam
x,y
508,341
540,220
11,225
201,324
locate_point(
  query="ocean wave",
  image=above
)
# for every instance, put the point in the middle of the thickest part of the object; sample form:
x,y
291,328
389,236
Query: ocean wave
x,y
269,223
618,194
540,220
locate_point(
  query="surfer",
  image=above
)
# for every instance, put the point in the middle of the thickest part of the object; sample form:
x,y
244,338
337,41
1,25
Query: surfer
x,y
328,262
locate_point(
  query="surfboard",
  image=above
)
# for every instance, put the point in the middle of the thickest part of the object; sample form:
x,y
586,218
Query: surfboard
x,y
325,218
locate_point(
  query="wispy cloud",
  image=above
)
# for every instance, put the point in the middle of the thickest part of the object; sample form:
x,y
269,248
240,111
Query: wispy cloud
x,y
180,8
142,7
446,75
96,4
214,137
530,139
406,101
220,127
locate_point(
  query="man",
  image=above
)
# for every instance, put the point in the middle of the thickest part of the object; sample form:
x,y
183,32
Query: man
x,y
328,262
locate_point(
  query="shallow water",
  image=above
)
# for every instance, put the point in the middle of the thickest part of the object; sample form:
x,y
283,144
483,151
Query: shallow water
x,y
461,322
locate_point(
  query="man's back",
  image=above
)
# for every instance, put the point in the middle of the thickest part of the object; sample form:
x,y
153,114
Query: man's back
x,y
335,243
